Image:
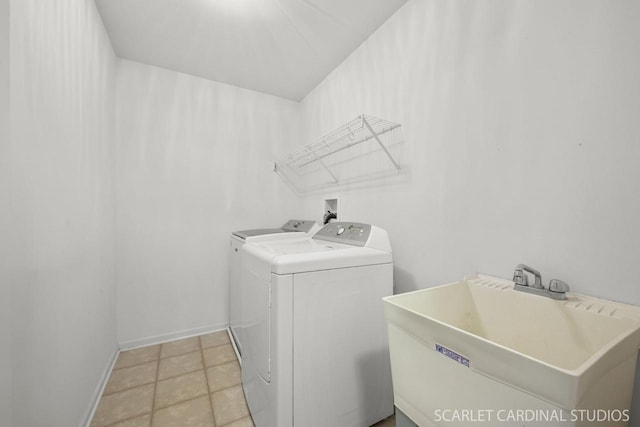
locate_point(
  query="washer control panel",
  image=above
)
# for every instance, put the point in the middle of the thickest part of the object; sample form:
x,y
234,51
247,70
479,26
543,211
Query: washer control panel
x,y
350,233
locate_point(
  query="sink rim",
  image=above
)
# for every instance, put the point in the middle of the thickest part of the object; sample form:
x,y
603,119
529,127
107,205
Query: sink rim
x,y
515,368
572,300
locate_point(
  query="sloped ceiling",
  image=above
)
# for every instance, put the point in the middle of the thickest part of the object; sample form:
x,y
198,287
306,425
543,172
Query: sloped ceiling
x,y
281,47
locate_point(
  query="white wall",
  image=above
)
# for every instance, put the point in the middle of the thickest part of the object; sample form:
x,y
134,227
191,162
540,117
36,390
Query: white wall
x,y
61,209
5,291
194,162
521,128
521,138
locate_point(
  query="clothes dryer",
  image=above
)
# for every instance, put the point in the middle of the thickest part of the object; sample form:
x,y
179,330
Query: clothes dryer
x,y
315,350
294,228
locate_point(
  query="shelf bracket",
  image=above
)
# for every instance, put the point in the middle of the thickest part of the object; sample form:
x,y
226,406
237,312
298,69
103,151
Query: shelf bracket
x,y
335,178
375,135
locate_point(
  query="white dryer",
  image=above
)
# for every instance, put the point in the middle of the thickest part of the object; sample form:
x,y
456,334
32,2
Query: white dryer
x,y
294,228
315,350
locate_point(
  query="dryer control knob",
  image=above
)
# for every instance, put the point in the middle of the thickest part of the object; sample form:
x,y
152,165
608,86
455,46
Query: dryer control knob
x,y
340,230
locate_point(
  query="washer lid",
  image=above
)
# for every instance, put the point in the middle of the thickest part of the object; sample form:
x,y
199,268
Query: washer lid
x,y
291,226
243,234
306,255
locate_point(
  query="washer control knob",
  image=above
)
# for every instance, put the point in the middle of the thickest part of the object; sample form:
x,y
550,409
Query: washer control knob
x,y
340,231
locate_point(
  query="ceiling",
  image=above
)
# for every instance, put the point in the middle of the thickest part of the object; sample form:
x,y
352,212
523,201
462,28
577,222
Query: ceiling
x,y
281,47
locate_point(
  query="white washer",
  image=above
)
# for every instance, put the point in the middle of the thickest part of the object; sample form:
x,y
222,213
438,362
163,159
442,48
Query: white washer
x,y
316,350
294,228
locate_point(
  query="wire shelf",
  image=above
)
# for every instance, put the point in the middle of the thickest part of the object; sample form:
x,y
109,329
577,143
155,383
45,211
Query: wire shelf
x,y
361,150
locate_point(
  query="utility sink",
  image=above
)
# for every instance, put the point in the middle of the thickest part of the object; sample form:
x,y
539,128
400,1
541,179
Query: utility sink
x,y
487,346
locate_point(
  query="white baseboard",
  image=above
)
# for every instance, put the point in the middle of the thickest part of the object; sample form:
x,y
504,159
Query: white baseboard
x,y
159,339
95,398
235,347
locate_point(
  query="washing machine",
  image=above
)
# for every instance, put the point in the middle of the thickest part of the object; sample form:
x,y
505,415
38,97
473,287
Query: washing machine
x,y
293,228
315,350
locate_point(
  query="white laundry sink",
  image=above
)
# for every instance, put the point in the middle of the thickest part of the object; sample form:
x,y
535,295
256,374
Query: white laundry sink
x,y
488,346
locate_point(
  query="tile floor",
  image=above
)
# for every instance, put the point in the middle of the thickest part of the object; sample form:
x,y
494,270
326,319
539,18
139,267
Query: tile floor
x,y
189,382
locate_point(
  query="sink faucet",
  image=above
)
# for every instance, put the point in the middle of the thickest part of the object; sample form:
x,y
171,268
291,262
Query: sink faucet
x,y
519,278
557,288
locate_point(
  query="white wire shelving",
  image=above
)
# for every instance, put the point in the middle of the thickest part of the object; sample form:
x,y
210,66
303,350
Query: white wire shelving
x,y
362,150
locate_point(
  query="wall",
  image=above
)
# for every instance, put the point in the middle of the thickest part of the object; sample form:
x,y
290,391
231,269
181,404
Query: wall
x,y
520,122
521,145
194,162
61,210
5,291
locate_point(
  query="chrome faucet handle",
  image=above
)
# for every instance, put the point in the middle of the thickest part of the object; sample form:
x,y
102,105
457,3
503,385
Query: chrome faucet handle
x,y
519,278
558,286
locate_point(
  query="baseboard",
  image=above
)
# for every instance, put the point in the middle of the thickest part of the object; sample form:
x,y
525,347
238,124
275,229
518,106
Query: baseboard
x,y
235,347
159,339
95,398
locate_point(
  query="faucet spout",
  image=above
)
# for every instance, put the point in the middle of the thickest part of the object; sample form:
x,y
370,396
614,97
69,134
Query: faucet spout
x,y
557,288
520,278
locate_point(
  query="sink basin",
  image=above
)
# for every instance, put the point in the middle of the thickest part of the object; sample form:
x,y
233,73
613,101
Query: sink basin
x,y
521,350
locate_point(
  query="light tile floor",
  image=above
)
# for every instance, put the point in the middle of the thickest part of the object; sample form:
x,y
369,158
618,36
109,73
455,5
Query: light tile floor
x,y
189,382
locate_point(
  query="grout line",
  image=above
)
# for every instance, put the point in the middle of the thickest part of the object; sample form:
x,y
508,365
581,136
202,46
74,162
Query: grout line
x,y
180,354
217,345
160,408
131,366
155,388
138,363
221,363
179,375
206,376
130,418
128,388
235,421
227,388
192,351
